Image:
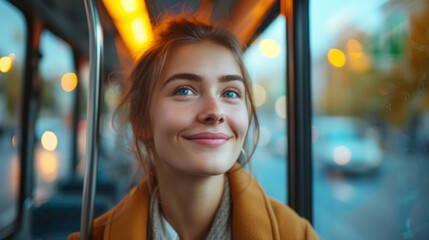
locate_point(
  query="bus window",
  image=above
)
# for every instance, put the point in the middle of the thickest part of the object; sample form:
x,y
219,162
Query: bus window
x,y
12,61
370,118
266,61
52,153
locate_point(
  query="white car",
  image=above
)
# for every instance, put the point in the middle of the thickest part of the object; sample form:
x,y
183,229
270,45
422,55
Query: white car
x,y
346,143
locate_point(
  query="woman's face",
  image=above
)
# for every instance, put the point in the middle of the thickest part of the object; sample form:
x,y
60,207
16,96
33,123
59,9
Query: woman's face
x,y
198,112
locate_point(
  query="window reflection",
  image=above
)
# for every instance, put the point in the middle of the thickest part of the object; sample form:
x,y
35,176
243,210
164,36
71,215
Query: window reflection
x,y
12,55
266,61
370,128
53,136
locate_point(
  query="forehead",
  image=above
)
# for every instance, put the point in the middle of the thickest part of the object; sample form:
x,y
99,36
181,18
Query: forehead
x,y
207,59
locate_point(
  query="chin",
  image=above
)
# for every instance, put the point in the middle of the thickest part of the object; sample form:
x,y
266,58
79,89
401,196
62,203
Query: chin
x,y
211,168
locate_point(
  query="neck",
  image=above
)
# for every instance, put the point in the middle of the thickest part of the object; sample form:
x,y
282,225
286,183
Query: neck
x,y
188,202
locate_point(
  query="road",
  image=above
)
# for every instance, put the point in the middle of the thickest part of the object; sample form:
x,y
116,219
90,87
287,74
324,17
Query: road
x,y
391,203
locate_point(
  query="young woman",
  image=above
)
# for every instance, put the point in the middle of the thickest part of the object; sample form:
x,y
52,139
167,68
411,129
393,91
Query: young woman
x,y
191,107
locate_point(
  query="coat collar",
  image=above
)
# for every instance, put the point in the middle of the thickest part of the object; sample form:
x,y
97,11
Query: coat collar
x,y
252,215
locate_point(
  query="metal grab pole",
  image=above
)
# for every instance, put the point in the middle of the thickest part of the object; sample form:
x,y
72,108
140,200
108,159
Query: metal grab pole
x,y
92,126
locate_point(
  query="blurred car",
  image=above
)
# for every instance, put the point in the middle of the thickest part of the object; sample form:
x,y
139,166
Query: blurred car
x,y
346,143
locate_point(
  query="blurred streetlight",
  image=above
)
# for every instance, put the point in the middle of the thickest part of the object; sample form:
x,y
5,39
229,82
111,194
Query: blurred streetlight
x,y
69,82
269,48
5,64
336,57
49,141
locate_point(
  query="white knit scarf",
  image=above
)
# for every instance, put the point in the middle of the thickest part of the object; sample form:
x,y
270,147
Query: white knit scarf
x,y
221,226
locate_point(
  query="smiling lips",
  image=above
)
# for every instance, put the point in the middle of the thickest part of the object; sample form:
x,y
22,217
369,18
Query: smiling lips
x,y
208,139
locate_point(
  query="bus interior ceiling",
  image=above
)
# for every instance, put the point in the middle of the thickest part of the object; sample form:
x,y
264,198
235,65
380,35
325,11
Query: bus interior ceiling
x,y
67,19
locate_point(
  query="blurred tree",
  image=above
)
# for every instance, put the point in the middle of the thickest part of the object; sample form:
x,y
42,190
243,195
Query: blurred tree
x,y
384,74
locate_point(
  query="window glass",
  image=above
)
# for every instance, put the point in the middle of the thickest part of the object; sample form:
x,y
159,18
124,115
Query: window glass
x,y
266,61
12,61
52,153
370,62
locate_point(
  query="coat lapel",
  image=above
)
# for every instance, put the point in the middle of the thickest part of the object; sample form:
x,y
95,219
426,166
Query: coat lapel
x,y
252,215
129,219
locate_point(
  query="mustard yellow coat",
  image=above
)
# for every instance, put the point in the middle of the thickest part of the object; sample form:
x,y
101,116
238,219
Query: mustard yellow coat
x,y
254,215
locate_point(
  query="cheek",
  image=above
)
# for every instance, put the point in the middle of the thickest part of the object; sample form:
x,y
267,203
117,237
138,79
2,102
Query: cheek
x,y
239,121
168,117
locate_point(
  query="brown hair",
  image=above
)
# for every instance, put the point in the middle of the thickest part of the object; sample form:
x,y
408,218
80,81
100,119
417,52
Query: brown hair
x,y
170,34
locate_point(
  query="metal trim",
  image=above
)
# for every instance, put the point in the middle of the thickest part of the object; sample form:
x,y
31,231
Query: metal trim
x,y
93,120
299,108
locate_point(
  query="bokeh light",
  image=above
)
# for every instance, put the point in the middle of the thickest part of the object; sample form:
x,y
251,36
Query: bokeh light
x,y
5,64
361,64
14,141
354,48
15,167
260,94
269,48
47,164
111,97
69,82
264,136
280,107
49,141
343,191
336,57
281,146
342,155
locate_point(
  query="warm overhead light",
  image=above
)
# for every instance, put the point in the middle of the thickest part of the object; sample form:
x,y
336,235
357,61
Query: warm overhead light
x,y
132,22
129,5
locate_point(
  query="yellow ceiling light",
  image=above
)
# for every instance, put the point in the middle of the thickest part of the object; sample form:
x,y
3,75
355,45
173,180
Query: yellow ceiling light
x,y
5,64
129,6
336,57
69,82
136,27
269,48
132,22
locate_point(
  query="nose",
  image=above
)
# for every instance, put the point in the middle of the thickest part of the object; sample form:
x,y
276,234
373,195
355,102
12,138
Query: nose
x,y
211,112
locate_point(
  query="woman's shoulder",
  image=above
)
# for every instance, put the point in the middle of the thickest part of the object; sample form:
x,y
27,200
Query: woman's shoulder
x,y
132,210
290,223
97,230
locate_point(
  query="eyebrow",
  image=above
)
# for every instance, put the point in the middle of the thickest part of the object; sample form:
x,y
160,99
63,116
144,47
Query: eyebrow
x,y
198,78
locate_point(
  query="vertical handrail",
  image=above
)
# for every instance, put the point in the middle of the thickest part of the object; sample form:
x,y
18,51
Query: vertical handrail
x,y
299,108
92,127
